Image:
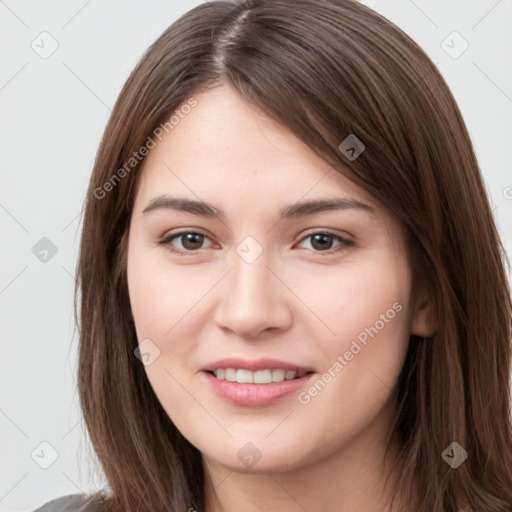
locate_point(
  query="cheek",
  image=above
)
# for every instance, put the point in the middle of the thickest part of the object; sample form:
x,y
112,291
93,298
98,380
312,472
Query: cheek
x,y
367,311
161,296
162,303
374,292
370,314
168,305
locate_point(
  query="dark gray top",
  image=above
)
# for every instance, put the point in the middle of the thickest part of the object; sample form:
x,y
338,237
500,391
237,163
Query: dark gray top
x,y
70,503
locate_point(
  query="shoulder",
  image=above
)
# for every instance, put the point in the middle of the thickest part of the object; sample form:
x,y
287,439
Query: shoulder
x,y
71,503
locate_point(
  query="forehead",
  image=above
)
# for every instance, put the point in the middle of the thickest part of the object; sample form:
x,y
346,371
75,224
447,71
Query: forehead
x,y
225,145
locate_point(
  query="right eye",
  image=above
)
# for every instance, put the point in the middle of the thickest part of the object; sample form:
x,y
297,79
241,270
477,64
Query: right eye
x,y
190,242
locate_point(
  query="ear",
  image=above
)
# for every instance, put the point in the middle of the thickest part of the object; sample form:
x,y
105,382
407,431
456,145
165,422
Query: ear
x,y
424,321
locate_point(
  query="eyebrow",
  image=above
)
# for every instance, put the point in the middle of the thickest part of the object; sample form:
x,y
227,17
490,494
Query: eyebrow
x,y
297,210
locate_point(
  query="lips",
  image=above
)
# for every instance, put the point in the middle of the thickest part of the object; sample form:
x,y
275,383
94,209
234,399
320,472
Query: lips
x,y
255,383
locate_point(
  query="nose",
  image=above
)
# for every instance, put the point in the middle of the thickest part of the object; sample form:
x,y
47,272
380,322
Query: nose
x,y
253,301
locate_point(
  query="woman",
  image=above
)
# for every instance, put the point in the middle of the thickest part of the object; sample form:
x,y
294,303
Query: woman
x,y
292,289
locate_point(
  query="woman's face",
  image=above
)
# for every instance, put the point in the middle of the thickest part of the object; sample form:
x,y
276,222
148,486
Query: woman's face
x,y
237,267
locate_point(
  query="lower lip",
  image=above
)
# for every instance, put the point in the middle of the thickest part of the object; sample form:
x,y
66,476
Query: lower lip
x,y
255,395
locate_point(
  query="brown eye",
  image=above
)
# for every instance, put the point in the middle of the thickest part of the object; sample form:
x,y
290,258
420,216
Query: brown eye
x,y
184,242
191,241
321,242
325,241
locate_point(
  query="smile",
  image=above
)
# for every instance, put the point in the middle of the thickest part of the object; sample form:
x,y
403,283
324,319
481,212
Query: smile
x,y
267,376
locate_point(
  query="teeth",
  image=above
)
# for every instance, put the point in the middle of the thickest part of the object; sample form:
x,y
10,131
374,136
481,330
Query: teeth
x,y
230,374
262,377
245,376
258,377
278,375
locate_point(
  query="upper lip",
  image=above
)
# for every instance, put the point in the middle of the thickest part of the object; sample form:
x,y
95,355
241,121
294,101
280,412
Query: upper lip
x,y
255,365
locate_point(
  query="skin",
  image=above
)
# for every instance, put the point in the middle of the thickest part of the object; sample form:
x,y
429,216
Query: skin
x,y
293,303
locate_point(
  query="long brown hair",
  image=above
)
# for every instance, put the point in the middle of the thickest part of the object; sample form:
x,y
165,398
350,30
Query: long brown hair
x,y
324,69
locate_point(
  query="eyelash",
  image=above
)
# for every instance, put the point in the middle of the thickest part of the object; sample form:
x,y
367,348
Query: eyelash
x,y
166,242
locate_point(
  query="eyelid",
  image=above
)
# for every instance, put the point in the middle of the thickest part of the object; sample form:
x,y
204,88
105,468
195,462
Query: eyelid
x,y
327,231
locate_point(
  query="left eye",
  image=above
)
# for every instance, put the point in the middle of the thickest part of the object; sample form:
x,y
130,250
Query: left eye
x,y
323,241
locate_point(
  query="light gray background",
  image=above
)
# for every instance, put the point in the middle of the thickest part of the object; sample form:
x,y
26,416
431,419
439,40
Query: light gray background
x,y
53,112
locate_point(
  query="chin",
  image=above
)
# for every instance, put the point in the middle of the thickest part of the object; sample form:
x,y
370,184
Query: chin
x,y
258,458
